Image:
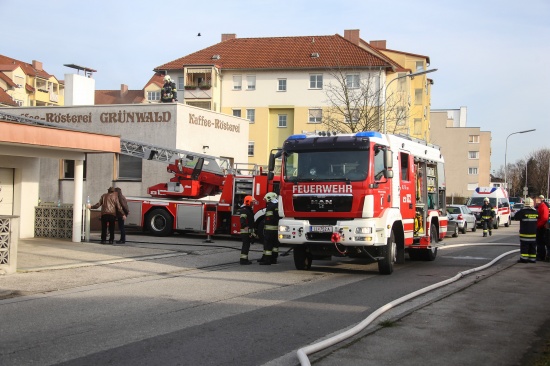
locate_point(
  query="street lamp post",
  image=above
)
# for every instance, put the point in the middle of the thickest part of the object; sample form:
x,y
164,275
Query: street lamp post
x,y
412,75
506,152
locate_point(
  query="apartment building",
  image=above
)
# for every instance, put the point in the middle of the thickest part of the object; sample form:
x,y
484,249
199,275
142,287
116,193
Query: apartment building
x,y
282,85
29,84
467,151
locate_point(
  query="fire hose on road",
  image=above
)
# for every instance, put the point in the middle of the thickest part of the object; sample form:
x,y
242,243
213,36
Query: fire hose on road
x,y
303,353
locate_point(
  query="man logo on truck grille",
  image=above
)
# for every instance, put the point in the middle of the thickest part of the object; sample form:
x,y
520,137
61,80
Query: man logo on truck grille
x,y
321,203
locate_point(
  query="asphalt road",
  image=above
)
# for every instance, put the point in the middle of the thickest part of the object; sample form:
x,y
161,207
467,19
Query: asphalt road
x,y
205,309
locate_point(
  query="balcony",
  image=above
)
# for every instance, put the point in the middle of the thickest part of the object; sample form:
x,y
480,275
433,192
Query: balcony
x,y
202,91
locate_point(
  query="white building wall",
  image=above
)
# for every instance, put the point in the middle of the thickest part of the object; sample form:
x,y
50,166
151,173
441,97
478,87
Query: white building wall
x,y
79,90
171,125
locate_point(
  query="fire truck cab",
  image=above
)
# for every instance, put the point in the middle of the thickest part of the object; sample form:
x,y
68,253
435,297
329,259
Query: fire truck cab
x,y
365,195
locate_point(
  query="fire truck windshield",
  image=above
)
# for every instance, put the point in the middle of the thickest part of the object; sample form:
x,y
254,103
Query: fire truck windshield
x,y
337,165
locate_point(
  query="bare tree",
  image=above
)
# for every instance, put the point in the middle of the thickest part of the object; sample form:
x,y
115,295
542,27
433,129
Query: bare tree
x,y
356,103
532,172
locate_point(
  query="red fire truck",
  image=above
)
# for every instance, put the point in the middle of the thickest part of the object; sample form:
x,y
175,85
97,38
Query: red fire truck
x,y
181,204
364,195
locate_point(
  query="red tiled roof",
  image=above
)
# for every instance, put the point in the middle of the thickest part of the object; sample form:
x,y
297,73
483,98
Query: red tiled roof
x,y
114,97
410,54
282,53
5,99
8,67
7,80
157,79
27,68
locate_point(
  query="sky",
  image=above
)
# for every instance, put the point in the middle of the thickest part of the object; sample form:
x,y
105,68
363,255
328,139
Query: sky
x,y
492,56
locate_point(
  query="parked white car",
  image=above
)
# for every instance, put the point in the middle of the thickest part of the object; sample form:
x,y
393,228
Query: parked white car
x,y
463,216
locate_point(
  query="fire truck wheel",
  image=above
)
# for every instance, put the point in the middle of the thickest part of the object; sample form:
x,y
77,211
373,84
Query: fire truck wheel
x,y
385,266
159,222
302,258
431,253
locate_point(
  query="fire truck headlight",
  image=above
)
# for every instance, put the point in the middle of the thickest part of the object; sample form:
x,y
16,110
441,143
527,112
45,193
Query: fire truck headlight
x,y
363,230
284,228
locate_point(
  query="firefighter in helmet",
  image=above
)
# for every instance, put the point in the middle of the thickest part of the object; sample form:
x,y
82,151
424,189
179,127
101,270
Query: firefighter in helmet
x,y
487,216
168,93
527,217
271,244
247,227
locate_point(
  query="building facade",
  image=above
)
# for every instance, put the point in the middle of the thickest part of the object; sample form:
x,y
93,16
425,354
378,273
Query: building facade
x,y
467,151
282,85
29,84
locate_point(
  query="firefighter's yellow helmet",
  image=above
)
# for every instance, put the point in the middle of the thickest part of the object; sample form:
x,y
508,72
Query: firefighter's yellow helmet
x,y
486,199
529,202
167,78
270,196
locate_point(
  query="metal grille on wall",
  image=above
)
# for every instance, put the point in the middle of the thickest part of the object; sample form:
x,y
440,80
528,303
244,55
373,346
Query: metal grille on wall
x,y
4,240
52,221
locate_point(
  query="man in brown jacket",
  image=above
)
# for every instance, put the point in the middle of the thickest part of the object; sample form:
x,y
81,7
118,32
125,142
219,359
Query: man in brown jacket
x,y
110,207
121,216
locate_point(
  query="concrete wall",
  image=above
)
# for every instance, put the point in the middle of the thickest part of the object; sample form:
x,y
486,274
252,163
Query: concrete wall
x,y
25,190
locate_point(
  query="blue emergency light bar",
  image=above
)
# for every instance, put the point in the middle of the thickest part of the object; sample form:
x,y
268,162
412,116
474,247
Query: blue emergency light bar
x,y
368,134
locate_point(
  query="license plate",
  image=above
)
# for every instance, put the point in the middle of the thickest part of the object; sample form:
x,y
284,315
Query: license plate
x,y
321,229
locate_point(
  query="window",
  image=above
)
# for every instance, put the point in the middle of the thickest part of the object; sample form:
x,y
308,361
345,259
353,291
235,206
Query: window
x,y
418,96
352,81
473,154
354,116
419,65
401,115
181,83
404,162
316,81
472,171
237,82
236,112
282,120
378,163
129,167
68,169
281,86
251,115
250,148
473,139
402,81
418,126
251,82
153,95
18,102
315,115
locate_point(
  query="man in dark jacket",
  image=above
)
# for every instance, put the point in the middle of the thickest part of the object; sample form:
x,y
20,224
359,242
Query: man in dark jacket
x,y
121,216
109,209
247,227
168,93
528,217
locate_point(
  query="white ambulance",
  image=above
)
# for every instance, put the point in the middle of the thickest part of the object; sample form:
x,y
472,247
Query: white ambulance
x,y
498,198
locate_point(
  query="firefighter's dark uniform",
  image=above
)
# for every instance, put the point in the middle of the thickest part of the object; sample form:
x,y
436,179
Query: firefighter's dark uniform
x,y
528,217
247,230
169,93
271,244
487,215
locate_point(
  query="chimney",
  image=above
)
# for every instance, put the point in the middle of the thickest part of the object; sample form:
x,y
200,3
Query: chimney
x,y
37,65
123,90
381,45
228,36
352,35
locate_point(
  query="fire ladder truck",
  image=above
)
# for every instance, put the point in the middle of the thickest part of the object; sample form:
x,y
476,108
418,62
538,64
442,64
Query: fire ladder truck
x,y
180,204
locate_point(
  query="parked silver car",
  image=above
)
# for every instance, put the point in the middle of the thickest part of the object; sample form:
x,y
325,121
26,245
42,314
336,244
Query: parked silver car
x,y
463,216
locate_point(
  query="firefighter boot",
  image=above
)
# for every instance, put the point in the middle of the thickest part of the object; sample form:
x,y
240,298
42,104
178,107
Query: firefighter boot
x,y
490,232
245,261
274,257
261,259
266,261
